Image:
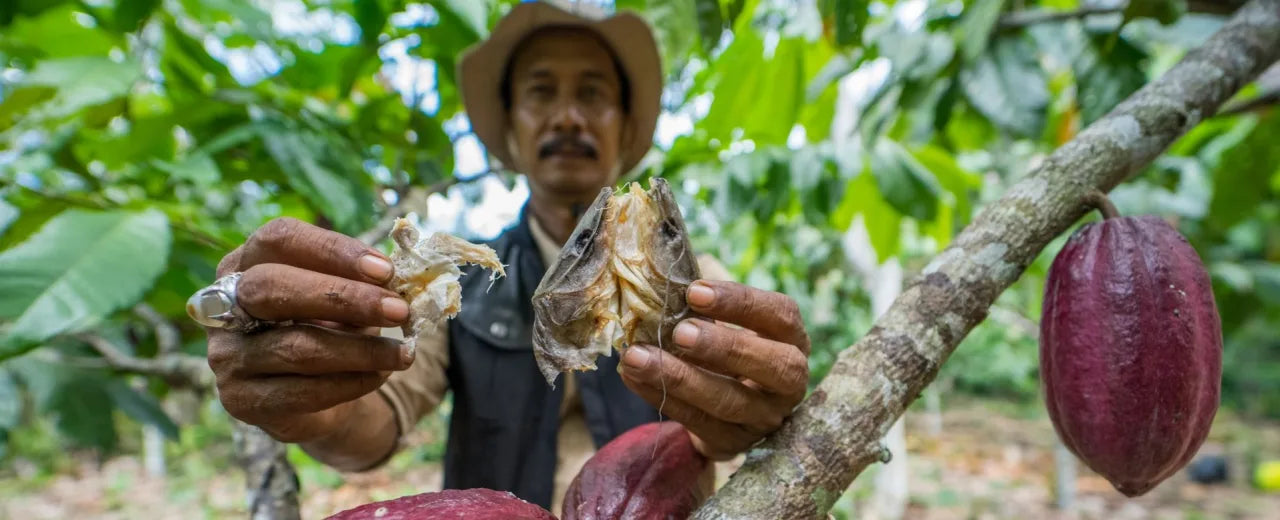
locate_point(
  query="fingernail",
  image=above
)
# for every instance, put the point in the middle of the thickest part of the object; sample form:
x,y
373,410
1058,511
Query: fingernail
x,y
395,309
375,267
701,295
407,350
636,356
686,334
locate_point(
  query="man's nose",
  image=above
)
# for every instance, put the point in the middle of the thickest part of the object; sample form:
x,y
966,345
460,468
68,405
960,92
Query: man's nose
x,y
567,118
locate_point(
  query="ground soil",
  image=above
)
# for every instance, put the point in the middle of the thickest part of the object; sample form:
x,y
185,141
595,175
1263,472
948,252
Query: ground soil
x,y
984,462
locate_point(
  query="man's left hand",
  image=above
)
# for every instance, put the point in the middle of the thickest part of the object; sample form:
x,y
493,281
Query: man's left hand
x,y
729,385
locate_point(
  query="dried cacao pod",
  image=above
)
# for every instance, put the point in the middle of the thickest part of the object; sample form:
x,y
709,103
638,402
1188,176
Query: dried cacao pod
x,y
477,503
1130,349
651,471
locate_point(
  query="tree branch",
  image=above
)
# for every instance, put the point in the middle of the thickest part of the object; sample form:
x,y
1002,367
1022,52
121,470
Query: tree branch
x,y
179,370
1020,19
168,340
413,201
801,469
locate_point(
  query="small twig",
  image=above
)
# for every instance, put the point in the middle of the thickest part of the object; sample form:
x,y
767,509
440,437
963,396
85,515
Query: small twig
x,y
1020,19
168,340
177,369
406,204
1099,201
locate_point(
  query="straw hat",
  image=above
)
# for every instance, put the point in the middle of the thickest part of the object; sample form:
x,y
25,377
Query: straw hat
x,y
628,36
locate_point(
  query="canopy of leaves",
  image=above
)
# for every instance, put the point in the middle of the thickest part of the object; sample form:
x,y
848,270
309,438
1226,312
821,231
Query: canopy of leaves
x,y
142,141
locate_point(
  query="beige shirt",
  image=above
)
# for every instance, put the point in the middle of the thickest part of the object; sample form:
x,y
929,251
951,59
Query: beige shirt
x,y
417,391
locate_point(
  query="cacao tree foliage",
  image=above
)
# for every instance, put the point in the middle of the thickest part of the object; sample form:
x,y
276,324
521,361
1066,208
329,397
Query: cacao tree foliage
x,y
140,141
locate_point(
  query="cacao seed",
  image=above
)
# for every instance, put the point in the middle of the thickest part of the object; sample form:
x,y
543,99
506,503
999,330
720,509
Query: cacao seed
x,y
1130,349
478,503
651,471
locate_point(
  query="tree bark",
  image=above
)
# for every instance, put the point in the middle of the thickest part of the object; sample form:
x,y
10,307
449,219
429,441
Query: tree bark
x,y
800,470
270,479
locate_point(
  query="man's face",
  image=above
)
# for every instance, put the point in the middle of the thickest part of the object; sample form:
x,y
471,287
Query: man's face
x,y
566,113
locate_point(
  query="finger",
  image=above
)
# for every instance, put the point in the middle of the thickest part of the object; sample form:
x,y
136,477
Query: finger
x,y
279,292
722,440
309,350
772,314
354,329
720,397
262,399
293,242
778,368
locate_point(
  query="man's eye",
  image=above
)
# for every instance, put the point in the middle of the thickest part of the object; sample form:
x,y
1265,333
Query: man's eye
x,y
541,91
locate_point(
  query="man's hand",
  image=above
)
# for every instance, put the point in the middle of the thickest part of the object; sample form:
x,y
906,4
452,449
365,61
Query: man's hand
x,y
299,382
730,386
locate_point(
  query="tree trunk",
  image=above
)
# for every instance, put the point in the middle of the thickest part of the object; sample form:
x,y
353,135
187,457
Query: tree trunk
x,y
800,470
269,477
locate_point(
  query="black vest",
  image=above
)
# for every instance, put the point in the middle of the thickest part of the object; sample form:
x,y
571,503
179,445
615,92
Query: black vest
x,y
505,418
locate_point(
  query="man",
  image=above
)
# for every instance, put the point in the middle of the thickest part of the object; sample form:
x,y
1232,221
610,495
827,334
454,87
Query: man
x,y
571,102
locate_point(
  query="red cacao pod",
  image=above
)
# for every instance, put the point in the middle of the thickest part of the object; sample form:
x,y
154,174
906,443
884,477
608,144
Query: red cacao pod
x,y
477,503
651,471
1130,349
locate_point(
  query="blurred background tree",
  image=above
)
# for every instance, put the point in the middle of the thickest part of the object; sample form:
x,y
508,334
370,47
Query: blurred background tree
x,y
816,144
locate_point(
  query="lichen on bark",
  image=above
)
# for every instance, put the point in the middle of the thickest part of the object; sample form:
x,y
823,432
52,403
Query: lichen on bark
x,y
834,434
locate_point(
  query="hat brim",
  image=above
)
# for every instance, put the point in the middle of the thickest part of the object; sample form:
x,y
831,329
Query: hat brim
x,y
629,38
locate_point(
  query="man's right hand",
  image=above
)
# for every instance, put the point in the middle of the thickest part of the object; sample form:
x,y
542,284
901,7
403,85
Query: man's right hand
x,y
299,382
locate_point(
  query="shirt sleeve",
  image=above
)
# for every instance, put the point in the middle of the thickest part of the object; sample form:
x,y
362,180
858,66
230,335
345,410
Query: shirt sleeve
x,y
417,391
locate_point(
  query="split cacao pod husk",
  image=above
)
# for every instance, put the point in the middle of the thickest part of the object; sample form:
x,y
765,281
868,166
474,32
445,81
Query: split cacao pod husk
x,y
1130,349
651,471
477,503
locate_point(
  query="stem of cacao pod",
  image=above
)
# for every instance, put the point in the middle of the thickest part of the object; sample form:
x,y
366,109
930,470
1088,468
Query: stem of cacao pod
x,y
1099,200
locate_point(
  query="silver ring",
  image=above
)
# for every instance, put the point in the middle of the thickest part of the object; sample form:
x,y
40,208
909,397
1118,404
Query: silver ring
x,y
215,306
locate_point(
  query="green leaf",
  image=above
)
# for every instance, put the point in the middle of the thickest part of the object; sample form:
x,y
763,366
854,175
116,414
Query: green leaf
x,y
141,407
710,23
27,8
1243,173
744,79
8,214
79,268
963,185
468,12
1104,77
906,185
55,33
845,20
371,18
198,169
973,32
75,398
883,223
324,174
1007,85
10,401
82,410
1164,11
131,13
80,82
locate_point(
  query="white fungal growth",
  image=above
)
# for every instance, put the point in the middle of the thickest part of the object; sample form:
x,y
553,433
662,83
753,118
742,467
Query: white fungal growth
x,y
1121,131
1031,189
948,256
992,253
954,323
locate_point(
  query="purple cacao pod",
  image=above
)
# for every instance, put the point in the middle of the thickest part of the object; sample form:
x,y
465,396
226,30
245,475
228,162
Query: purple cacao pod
x,y
478,503
651,471
1130,350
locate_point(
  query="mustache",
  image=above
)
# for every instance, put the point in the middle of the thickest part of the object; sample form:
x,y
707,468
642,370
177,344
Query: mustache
x,y
566,142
